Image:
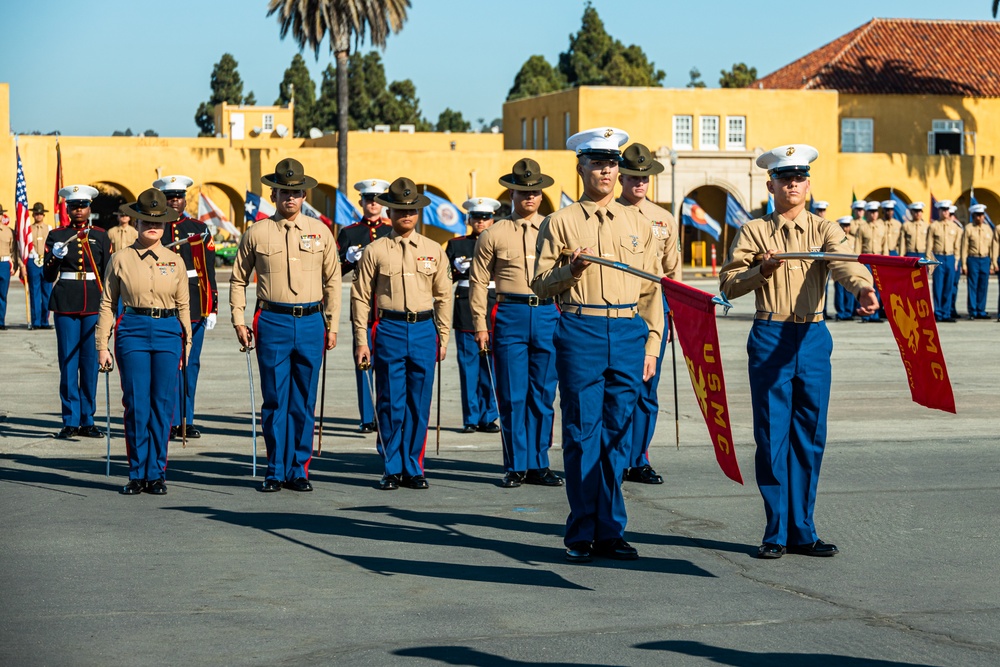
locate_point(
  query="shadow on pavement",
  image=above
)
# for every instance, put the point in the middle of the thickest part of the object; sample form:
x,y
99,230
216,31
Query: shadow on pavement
x,y
463,655
738,658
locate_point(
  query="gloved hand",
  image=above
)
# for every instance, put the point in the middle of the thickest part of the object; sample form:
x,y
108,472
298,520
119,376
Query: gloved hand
x,y
59,249
354,254
462,264
210,321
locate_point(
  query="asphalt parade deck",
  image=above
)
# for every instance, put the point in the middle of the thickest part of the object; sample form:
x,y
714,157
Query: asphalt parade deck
x,y
467,573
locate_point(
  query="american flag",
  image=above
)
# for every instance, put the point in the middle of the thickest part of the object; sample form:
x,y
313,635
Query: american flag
x,y
25,241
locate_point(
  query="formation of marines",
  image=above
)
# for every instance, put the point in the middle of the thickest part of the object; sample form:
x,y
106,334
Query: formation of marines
x,y
529,311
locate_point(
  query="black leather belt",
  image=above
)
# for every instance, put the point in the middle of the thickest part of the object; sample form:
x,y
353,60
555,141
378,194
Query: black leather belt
x,y
529,299
152,312
405,316
294,311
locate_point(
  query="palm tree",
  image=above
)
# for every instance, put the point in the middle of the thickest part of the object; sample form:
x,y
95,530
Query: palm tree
x,y
310,21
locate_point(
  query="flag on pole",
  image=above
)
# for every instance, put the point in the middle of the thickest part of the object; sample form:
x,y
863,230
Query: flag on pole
x,y
736,216
899,208
210,214
58,203
22,228
695,216
311,211
345,213
442,213
565,200
934,209
256,208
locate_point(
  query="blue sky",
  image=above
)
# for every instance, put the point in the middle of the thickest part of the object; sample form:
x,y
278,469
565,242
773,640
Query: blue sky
x,y
90,69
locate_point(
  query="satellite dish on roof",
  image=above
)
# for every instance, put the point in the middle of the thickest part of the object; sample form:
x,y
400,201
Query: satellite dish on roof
x,y
315,133
281,130
256,130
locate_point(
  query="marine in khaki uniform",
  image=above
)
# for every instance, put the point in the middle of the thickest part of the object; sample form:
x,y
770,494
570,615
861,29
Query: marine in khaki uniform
x,y
872,238
944,239
913,233
522,325
634,172
789,346
406,275
844,302
892,227
976,264
123,234
10,262
297,314
607,340
151,282
857,216
40,290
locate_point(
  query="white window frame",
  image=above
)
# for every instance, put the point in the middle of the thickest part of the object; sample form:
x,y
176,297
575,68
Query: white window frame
x,y
267,122
683,138
857,135
945,126
708,136
740,134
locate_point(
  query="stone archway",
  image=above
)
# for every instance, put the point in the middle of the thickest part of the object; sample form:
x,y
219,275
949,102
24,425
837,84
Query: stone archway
x,y
983,196
712,199
104,208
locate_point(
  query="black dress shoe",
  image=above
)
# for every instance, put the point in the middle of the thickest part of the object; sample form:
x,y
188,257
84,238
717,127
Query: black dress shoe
x,y
415,482
368,427
469,428
643,475
616,549
45,326
488,427
299,484
270,486
66,433
133,488
512,480
817,548
948,319
578,552
90,432
157,487
175,433
389,482
769,550
543,477
192,431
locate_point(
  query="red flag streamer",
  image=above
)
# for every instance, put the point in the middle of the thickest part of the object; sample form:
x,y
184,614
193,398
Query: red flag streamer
x,y
905,291
58,203
200,264
694,322
84,238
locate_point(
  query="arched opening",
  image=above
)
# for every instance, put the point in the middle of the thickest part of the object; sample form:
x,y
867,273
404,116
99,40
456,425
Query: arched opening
x,y
104,208
712,199
983,196
437,234
226,198
881,194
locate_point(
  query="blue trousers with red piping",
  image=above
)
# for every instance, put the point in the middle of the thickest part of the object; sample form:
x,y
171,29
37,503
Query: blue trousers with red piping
x,y
478,405
646,410
978,283
4,286
77,368
148,352
290,357
599,361
403,359
193,370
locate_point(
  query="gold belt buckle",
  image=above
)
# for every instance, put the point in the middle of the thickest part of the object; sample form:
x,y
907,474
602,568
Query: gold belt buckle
x,y
298,311
411,317
533,300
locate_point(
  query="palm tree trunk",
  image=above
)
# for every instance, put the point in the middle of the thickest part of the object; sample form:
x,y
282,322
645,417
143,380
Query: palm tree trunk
x,y
342,103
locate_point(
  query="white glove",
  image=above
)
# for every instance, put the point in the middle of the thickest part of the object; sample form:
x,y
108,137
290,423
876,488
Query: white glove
x,y
462,264
59,249
210,321
354,253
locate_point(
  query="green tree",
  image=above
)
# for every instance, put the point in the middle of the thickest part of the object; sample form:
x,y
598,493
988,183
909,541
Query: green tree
x,y
367,88
536,77
119,133
740,76
310,22
298,86
495,123
150,133
403,107
595,58
452,121
325,114
250,100
227,86
695,81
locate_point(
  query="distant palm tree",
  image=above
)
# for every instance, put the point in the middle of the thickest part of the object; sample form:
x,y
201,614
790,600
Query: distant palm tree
x,y
996,6
310,21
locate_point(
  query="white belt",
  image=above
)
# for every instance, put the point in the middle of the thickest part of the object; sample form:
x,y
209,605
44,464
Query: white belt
x,y
6,258
32,255
465,283
70,275
192,273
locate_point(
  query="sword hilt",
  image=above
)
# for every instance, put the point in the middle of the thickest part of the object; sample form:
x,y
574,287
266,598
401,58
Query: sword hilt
x,y
483,351
364,365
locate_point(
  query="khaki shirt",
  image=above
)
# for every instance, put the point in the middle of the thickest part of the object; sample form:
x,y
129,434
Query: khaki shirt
x,y
668,244
505,254
872,237
8,246
797,287
281,251
617,233
144,278
39,232
943,238
892,230
122,236
913,237
995,249
976,241
405,275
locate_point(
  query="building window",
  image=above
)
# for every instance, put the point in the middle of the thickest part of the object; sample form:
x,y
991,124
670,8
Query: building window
x,y
545,133
267,125
708,139
736,133
534,133
683,133
947,137
524,133
857,135
566,126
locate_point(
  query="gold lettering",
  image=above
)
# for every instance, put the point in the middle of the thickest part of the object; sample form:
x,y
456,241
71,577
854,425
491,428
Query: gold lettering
x,y
931,347
714,382
916,276
720,411
722,443
708,353
938,371
923,308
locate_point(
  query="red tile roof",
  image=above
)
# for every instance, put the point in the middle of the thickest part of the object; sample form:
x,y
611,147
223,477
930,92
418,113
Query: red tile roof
x,y
902,57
